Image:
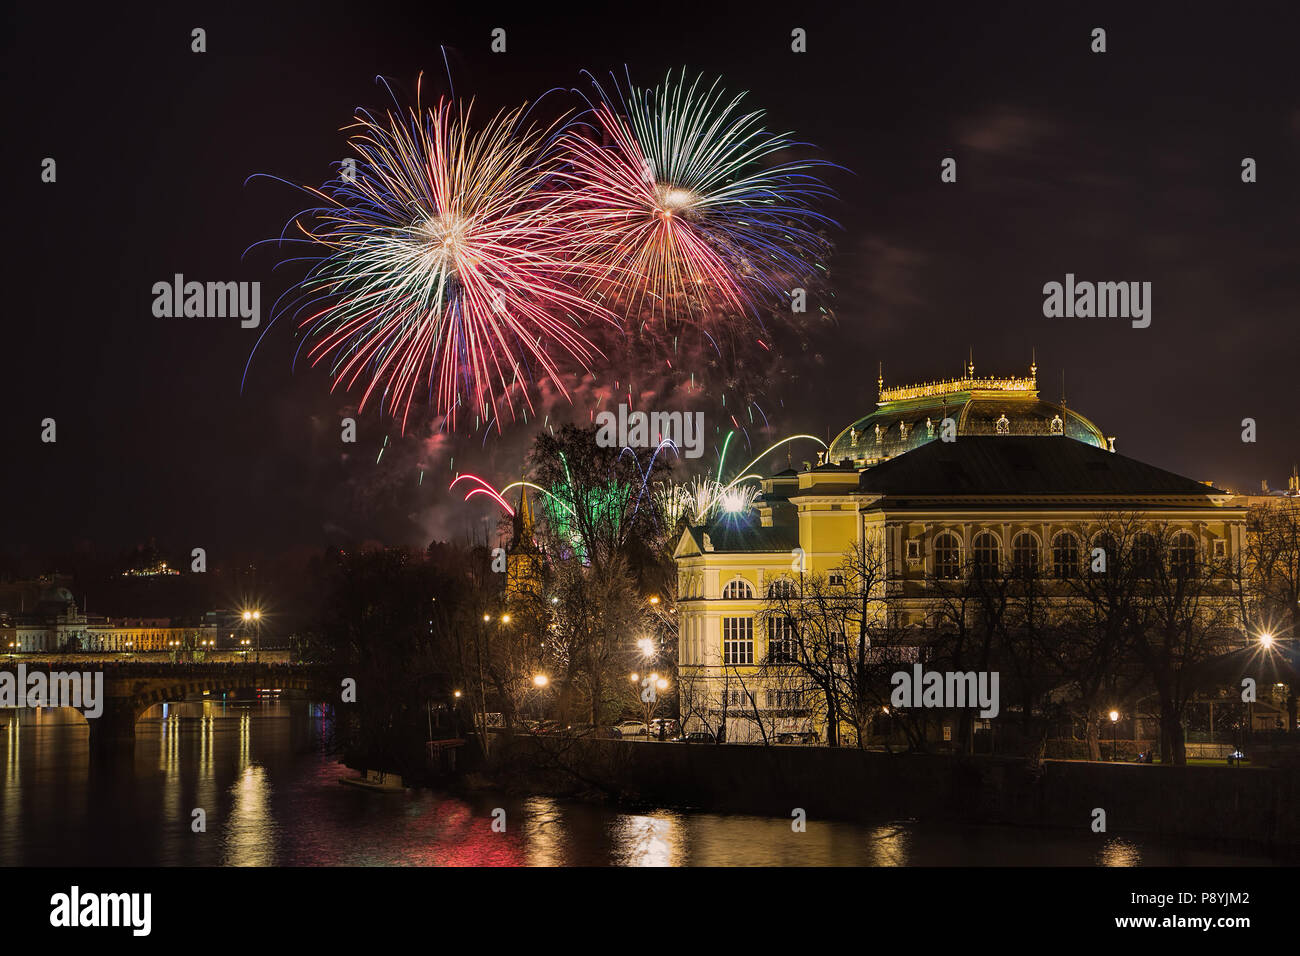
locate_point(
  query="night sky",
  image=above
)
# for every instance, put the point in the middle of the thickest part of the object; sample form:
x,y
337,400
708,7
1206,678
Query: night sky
x,y
1117,166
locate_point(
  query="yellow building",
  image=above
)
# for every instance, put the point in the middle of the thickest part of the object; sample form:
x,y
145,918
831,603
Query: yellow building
x,y
940,479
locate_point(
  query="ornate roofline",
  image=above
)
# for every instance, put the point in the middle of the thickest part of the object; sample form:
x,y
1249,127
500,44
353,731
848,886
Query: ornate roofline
x,y
902,393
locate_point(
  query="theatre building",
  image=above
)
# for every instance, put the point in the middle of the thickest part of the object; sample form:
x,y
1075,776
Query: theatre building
x,y
940,480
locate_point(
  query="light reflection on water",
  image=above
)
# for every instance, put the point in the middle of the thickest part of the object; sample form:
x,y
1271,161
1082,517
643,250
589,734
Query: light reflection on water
x,y
271,798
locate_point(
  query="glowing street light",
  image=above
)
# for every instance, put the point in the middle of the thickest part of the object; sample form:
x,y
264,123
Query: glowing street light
x,y
1266,639
541,680
1114,732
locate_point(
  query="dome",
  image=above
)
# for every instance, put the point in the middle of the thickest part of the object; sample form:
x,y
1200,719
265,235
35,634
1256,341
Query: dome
x,y
910,416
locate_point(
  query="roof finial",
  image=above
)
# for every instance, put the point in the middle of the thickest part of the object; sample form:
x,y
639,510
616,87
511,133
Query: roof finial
x,y
1062,386
970,365
880,379
1033,365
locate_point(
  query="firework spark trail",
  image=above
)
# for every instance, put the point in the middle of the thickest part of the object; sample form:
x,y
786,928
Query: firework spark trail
x,y
688,209
450,267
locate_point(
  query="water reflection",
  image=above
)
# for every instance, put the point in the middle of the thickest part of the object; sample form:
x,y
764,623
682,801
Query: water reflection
x,y
647,840
272,798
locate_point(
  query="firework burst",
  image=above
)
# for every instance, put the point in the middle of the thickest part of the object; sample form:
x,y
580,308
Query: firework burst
x,y
450,268
686,207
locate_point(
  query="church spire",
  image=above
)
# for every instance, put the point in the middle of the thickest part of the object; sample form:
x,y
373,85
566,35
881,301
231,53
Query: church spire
x,y
525,515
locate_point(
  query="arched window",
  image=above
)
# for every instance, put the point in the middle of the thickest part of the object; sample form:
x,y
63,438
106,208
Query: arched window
x,y
1144,554
1182,553
781,588
988,555
1065,555
947,557
1105,562
1024,554
738,590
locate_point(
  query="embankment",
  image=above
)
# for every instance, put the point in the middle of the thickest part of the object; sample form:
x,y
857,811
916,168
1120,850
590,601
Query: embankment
x,y
1250,805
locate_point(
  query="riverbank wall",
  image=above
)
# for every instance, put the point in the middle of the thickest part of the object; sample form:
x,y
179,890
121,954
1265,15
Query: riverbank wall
x,y
1259,806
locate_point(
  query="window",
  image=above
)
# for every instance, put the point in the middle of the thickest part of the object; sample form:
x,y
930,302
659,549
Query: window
x,y
988,556
738,589
1144,554
785,699
1105,562
781,588
835,579
737,640
1182,553
1220,548
947,557
1024,554
913,550
1065,555
780,640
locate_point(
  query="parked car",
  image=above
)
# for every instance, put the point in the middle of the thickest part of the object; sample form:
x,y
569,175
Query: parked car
x,y
797,737
631,728
666,726
697,737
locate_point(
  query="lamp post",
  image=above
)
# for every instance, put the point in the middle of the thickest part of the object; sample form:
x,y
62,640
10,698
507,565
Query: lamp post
x,y
1266,640
1114,733
541,682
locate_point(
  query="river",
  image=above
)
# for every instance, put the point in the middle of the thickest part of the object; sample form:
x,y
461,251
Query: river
x,y
272,798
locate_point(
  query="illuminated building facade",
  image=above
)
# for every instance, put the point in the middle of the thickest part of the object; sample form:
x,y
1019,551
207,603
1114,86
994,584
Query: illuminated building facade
x,y
1021,482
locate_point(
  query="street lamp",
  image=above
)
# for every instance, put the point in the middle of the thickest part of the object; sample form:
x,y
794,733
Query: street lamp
x,y
1114,732
1266,640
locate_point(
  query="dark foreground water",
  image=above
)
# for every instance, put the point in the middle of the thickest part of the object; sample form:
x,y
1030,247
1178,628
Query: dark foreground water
x,y
271,798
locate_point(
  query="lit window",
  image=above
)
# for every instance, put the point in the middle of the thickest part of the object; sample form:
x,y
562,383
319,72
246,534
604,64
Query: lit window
x,y
1182,553
947,557
988,556
1065,555
1024,554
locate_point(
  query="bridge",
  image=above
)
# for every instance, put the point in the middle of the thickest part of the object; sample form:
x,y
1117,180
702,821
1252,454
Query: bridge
x,y
132,687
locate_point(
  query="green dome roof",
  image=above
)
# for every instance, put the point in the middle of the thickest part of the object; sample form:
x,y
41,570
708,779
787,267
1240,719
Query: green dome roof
x,y
910,416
